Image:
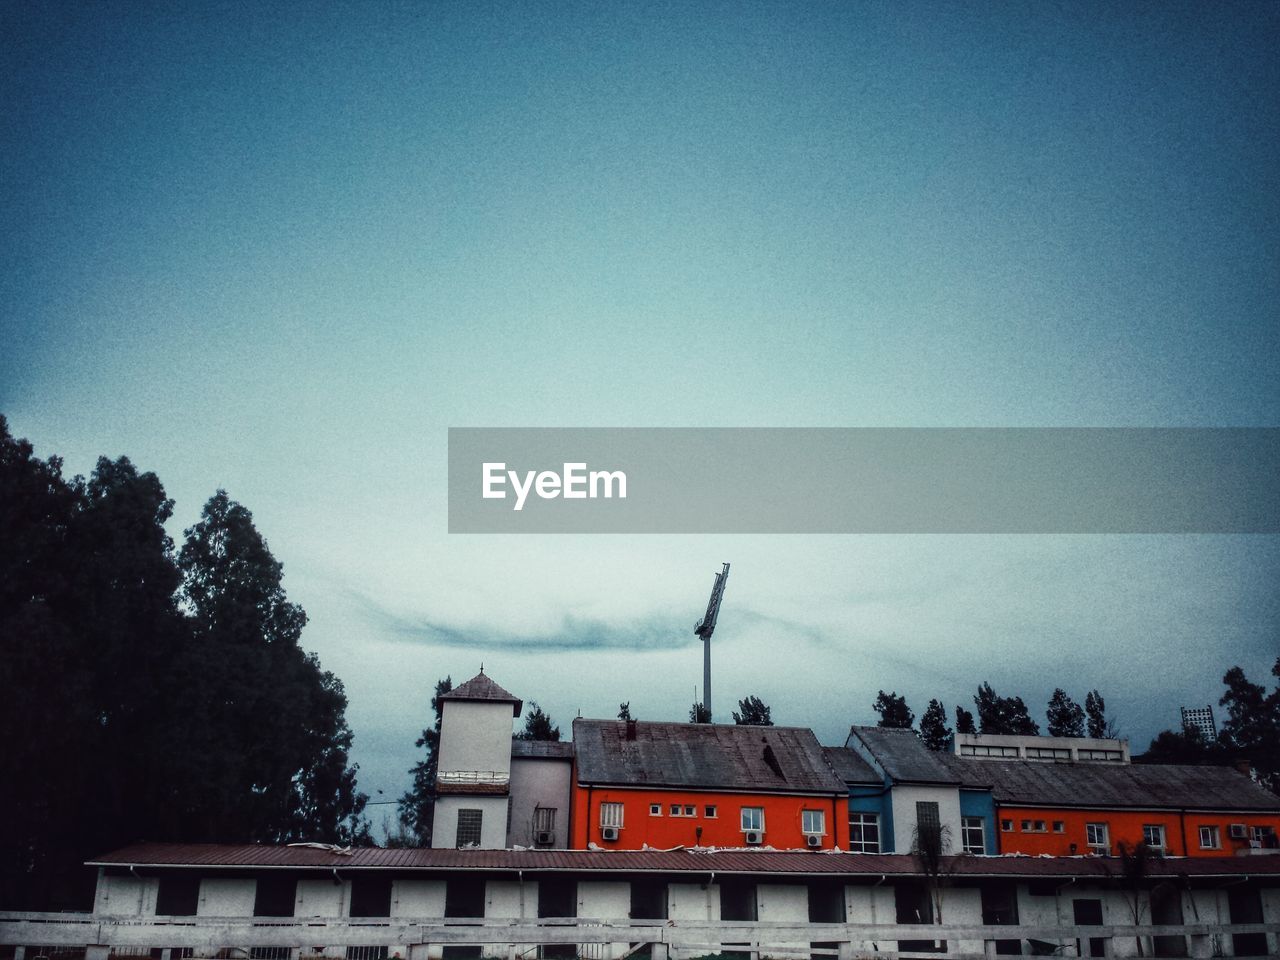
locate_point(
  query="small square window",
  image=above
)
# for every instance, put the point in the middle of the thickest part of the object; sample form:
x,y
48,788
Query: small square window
x,y
1039,826
813,821
709,810
1210,838
690,810
655,809
1006,826
752,818
675,809
1026,826
1059,826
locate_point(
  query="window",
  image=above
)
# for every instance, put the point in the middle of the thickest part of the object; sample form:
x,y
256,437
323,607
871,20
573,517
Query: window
x,y
753,818
973,835
928,826
1153,835
1095,835
611,815
544,825
675,809
709,811
690,810
655,809
1026,826
1059,826
1210,838
469,822
813,821
1038,826
1006,826
1265,837
864,832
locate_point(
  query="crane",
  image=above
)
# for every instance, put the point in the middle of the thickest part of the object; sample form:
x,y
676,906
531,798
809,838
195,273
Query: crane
x,y
704,628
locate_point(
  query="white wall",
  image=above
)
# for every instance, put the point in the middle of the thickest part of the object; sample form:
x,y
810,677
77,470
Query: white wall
x,y
493,823
693,901
783,903
904,798
221,897
127,895
475,735
606,900
417,898
321,898
538,782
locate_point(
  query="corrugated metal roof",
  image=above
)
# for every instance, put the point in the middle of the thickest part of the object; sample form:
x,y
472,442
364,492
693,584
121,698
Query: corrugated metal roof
x,y
542,749
481,687
1146,786
703,755
903,757
756,862
849,766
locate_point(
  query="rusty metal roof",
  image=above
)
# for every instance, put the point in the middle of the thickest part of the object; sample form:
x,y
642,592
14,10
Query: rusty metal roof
x,y
700,861
707,756
481,687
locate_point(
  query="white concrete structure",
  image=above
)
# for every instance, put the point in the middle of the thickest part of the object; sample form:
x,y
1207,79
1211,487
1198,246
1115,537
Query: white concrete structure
x,y
905,802
540,793
992,746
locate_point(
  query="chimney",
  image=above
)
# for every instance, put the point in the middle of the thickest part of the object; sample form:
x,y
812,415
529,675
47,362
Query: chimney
x,y
631,729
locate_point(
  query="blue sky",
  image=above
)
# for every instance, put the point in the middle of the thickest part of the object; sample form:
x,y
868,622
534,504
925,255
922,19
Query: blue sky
x,y
282,248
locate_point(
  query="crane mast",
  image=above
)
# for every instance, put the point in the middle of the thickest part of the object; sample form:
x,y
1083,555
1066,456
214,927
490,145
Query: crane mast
x,y
704,628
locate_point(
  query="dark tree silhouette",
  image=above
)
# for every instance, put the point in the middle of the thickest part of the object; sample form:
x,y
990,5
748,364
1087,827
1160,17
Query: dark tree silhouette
x,y
1095,709
1252,727
964,721
997,714
933,727
699,714
754,713
893,711
538,725
624,711
1065,716
417,806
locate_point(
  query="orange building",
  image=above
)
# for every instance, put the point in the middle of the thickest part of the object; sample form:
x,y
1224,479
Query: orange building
x,y
663,785
1065,809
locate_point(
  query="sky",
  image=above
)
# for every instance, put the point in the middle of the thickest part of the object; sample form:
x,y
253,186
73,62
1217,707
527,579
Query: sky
x,y
281,248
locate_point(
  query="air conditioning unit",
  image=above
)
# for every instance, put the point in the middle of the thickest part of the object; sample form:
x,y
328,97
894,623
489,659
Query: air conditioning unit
x,y
544,837
1239,831
813,839
753,837
608,833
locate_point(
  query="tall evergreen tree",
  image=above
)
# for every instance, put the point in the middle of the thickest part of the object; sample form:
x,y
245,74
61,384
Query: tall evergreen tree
x,y
417,806
893,711
933,727
964,721
538,725
1066,718
754,713
1007,715
1252,727
1095,709
699,714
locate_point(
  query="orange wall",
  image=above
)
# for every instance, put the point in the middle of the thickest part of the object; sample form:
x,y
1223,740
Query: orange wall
x,y
639,827
1123,827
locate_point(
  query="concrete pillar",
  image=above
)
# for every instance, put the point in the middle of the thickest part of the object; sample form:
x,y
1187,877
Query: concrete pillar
x,y
20,953
419,951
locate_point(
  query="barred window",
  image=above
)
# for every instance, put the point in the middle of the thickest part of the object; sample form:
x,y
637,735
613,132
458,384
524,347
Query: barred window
x,y
611,815
469,822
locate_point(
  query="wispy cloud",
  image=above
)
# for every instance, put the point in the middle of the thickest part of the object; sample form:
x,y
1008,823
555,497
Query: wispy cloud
x,y
571,634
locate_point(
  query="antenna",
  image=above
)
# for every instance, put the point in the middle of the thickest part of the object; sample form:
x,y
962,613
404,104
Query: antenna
x,y
704,628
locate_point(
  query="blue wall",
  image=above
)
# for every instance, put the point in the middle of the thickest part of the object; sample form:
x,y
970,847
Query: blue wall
x,y
980,803
869,799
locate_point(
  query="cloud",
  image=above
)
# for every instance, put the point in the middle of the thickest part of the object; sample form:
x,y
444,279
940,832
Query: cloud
x,y
572,634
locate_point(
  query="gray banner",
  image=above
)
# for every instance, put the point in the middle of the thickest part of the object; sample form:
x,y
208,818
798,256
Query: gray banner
x,y
864,480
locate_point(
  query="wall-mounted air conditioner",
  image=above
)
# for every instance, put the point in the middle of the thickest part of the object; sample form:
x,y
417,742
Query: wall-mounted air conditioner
x,y
608,833
544,837
752,837
813,840
1239,831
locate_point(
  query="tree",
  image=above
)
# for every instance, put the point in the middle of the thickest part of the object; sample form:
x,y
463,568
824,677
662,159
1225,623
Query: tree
x,y
1003,715
964,721
1252,727
1095,709
893,711
538,725
624,711
699,714
417,806
1066,718
755,713
933,727
1184,746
